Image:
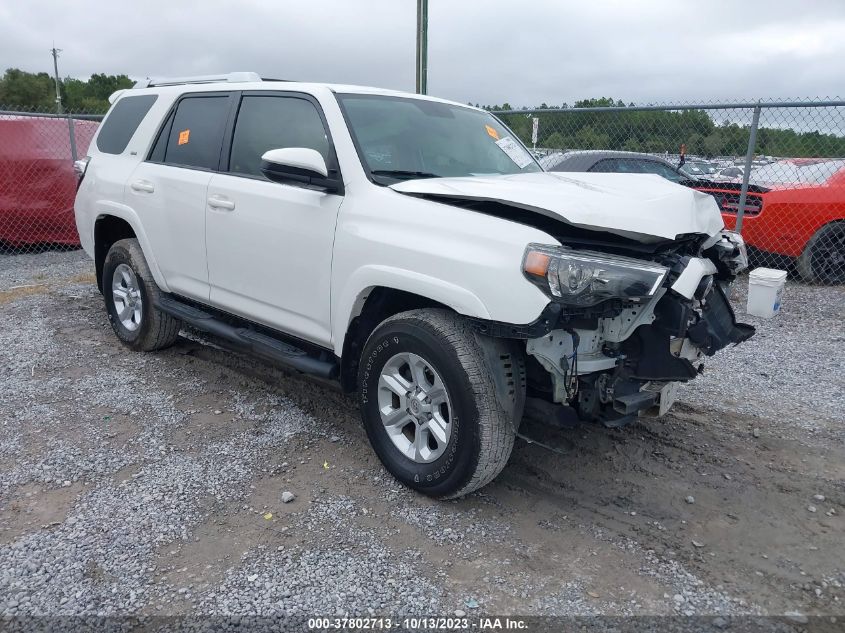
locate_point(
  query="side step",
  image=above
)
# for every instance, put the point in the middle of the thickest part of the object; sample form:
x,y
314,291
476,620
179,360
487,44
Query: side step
x,y
250,340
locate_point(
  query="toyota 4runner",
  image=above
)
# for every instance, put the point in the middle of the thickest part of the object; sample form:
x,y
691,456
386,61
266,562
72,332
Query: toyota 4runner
x,y
411,249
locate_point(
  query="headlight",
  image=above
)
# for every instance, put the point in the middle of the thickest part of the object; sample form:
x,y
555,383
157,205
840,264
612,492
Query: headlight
x,y
585,278
732,251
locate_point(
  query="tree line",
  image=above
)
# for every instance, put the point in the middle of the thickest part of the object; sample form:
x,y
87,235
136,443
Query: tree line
x,y
561,128
659,131
37,91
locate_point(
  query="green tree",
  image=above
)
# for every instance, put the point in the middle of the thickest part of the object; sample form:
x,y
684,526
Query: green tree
x,y
37,91
29,90
555,141
664,131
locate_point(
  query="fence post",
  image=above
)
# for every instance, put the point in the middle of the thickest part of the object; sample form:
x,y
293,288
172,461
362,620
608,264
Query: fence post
x,y
749,155
71,128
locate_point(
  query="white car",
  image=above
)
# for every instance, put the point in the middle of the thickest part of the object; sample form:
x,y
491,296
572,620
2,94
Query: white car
x,y
729,174
410,248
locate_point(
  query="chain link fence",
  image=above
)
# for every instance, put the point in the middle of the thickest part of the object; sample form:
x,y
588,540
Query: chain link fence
x,y
37,182
776,169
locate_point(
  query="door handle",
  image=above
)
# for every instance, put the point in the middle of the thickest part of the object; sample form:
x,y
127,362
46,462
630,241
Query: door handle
x,y
219,202
143,185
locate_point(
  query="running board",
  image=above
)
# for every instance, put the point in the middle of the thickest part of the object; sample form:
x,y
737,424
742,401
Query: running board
x,y
249,340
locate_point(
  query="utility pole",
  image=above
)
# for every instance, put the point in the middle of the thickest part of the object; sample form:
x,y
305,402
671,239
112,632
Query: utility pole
x,y
55,51
70,125
422,47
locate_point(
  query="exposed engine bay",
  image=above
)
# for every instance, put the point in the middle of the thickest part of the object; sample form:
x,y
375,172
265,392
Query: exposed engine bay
x,y
616,359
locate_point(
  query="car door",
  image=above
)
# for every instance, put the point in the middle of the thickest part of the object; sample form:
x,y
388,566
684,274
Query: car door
x,y
168,190
269,244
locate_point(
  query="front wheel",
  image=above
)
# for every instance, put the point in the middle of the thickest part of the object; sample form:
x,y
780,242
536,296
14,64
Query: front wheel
x,y
440,403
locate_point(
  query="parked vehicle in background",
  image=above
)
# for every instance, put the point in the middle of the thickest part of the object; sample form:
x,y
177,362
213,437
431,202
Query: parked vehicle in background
x,y
410,248
699,170
36,151
608,161
804,218
729,174
795,209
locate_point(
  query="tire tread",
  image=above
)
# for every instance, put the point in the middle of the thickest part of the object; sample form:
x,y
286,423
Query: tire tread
x,y
162,329
497,428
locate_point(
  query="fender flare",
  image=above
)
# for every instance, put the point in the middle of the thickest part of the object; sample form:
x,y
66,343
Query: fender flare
x,y
361,282
127,214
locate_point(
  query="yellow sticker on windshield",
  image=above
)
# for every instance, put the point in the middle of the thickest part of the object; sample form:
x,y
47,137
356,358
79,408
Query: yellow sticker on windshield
x,y
492,132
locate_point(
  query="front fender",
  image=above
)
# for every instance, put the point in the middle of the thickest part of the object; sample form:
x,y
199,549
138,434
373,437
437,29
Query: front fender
x,y
361,282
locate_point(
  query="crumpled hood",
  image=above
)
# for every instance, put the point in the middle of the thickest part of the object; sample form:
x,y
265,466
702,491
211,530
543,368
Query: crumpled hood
x,y
644,207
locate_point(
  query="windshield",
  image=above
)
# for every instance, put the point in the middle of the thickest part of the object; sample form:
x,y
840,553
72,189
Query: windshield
x,y
400,138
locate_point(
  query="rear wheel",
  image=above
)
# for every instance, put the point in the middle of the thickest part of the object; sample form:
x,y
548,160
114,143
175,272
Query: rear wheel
x,y
440,403
823,259
131,294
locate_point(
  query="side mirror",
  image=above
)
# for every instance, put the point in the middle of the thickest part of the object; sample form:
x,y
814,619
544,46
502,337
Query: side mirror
x,y
299,165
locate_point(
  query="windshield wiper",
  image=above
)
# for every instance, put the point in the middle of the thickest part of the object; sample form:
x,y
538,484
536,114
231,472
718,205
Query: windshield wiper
x,y
401,174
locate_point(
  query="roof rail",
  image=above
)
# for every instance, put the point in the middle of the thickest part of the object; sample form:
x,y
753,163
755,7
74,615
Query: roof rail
x,y
197,79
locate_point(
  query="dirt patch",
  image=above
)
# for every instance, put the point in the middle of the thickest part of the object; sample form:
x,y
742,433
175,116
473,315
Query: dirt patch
x,y
18,292
33,507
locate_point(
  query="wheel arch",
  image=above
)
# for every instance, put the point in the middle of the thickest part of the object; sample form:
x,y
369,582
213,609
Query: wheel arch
x,y
372,306
116,224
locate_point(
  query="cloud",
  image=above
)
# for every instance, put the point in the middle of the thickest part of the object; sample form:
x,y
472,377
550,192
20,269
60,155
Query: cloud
x,y
550,51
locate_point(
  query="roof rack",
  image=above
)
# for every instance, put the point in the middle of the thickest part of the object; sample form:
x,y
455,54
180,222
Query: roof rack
x,y
197,79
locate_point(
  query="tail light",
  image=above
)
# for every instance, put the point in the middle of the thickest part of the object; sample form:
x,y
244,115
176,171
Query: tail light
x,y
729,203
79,168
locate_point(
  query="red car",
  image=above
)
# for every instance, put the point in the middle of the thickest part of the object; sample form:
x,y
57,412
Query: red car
x,y
37,182
794,209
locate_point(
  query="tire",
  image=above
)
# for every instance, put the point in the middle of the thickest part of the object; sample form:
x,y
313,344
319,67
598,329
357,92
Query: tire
x,y
823,259
143,327
476,395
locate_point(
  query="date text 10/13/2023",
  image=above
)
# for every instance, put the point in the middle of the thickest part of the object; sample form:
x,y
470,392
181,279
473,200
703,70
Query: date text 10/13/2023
x,y
417,623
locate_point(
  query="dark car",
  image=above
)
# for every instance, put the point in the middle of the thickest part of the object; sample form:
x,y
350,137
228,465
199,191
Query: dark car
x,y
615,162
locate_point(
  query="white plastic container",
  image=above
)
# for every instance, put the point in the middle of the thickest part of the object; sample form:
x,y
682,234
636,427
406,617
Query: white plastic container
x,y
765,287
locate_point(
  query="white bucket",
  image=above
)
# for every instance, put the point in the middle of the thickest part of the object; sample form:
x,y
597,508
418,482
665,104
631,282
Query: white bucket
x,y
765,287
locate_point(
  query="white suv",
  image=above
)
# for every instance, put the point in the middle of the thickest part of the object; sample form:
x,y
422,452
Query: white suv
x,y
410,248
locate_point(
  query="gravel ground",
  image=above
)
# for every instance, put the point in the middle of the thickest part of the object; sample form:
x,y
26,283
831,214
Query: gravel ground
x,y
152,484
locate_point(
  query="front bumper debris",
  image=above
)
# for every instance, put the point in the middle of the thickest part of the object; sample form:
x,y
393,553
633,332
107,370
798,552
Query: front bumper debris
x,y
630,364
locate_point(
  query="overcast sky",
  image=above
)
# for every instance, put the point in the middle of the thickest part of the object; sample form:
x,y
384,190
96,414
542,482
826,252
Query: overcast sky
x,y
486,51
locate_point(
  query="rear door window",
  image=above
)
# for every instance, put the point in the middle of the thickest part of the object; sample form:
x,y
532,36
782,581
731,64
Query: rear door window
x,y
122,121
196,134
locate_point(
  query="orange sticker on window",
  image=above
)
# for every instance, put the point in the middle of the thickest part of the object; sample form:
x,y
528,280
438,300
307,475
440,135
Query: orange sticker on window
x,y
492,132
184,137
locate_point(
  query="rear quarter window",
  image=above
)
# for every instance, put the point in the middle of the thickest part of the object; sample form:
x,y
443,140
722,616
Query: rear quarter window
x,y
122,121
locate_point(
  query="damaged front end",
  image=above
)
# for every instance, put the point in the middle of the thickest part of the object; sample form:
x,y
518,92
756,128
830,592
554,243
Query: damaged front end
x,y
622,332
